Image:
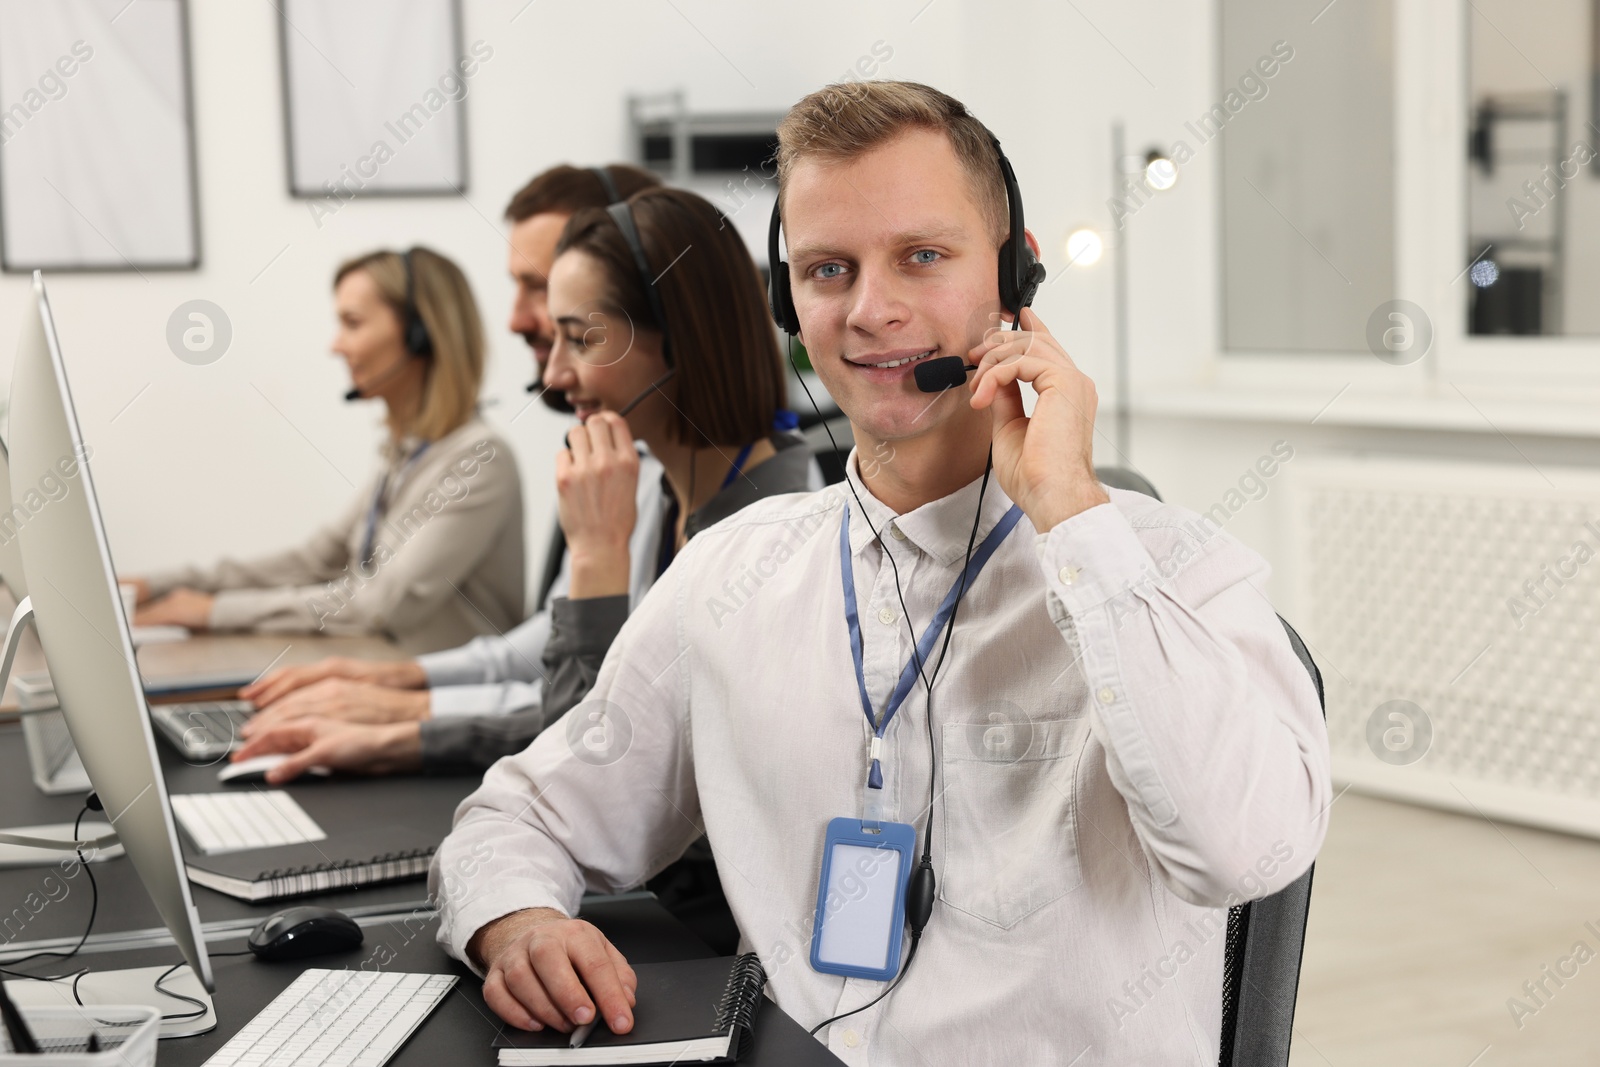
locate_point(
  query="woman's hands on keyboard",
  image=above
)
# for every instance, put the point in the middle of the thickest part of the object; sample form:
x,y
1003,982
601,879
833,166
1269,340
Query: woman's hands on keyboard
x,y
277,684
345,700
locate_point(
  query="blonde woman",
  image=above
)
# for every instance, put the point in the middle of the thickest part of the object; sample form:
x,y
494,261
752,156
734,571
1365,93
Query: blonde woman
x,y
430,551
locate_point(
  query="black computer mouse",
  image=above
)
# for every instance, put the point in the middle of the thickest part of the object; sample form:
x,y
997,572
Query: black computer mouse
x,y
295,933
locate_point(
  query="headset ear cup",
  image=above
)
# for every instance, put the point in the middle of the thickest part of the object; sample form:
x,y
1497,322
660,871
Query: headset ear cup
x,y
779,296
418,342
1010,290
782,300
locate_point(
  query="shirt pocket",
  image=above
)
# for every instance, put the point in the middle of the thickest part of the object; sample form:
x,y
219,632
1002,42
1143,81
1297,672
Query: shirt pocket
x,y
1010,817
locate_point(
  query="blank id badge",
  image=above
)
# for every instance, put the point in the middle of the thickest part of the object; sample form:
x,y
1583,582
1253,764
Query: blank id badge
x,y
861,898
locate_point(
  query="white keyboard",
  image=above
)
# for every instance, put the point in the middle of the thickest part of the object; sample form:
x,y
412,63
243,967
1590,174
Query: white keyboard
x,y
234,822
336,1019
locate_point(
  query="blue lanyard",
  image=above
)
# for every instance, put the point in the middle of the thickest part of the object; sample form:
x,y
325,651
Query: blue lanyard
x,y
380,500
669,534
908,676
738,465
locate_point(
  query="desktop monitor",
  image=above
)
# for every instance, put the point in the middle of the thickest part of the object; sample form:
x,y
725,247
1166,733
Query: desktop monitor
x,y
81,625
10,547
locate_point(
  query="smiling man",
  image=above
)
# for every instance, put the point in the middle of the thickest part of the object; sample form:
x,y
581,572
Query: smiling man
x,y
1095,765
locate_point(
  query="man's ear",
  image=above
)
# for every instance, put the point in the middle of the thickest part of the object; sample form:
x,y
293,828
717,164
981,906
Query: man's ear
x,y
1033,243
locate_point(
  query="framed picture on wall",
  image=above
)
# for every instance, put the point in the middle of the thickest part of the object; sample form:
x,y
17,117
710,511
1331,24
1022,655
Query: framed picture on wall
x,y
97,153
374,98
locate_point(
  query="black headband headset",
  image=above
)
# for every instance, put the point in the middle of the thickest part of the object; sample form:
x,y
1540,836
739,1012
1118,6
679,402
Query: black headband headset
x,y
621,213
414,334
1021,274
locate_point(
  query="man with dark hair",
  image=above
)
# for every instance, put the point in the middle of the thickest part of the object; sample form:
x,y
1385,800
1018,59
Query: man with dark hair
x,y
538,212
428,712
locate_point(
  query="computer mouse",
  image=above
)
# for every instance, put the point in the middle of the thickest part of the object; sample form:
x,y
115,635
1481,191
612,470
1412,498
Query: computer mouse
x,y
254,771
295,933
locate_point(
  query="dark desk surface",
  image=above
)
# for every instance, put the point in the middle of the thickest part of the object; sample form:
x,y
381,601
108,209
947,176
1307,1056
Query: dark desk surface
x,y
424,804
460,1029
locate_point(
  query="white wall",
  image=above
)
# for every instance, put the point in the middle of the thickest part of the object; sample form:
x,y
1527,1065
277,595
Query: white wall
x,y
248,453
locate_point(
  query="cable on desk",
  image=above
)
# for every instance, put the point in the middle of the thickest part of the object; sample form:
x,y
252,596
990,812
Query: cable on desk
x,y
91,804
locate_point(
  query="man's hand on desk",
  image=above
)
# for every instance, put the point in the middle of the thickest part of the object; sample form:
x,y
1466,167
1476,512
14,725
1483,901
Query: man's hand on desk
x,y
275,685
181,607
544,969
342,699
360,748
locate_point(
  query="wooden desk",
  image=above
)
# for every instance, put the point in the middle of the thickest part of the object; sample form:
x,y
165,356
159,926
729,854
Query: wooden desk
x,y
208,654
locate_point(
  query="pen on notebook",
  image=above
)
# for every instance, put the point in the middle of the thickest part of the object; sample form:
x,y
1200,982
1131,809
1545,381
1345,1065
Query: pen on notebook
x,y
580,1035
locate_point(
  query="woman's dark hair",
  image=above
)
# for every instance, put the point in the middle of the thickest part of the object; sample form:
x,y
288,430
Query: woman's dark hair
x,y
730,383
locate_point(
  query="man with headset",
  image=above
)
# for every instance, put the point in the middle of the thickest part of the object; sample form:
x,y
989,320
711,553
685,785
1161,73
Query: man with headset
x,y
1123,742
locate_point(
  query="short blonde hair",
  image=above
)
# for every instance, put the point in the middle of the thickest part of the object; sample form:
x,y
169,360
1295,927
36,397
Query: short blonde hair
x,y
843,122
444,303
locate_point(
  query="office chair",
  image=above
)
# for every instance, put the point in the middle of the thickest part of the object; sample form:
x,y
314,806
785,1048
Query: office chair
x,y
1261,964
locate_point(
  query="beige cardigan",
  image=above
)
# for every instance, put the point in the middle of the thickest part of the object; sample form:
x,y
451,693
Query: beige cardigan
x,y
447,563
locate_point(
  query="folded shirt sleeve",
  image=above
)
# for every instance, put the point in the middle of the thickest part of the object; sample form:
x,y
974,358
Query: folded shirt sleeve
x,y
542,828
1212,726
321,558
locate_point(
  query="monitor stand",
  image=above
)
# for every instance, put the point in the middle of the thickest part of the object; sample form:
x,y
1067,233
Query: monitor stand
x,y
134,985
25,846
21,619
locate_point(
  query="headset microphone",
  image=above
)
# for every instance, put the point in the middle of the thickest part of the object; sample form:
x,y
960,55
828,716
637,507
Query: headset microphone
x,y
657,384
946,372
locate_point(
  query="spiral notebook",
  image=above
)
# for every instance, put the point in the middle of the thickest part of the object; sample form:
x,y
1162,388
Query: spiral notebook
x,y
696,1011
385,854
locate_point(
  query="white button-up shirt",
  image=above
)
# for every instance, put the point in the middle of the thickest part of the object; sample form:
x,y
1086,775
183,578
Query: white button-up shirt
x,y
1126,745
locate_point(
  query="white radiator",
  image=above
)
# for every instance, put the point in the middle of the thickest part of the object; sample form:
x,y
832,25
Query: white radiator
x,y
1470,592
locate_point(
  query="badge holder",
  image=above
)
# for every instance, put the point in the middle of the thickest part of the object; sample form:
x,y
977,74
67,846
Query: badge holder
x,y
861,898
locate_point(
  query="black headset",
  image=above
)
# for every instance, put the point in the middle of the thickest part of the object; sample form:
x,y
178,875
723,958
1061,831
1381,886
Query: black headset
x,y
413,334
1021,273
418,341
603,176
621,213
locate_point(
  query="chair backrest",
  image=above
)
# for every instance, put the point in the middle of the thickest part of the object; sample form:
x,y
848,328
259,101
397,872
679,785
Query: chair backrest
x,y
1261,965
